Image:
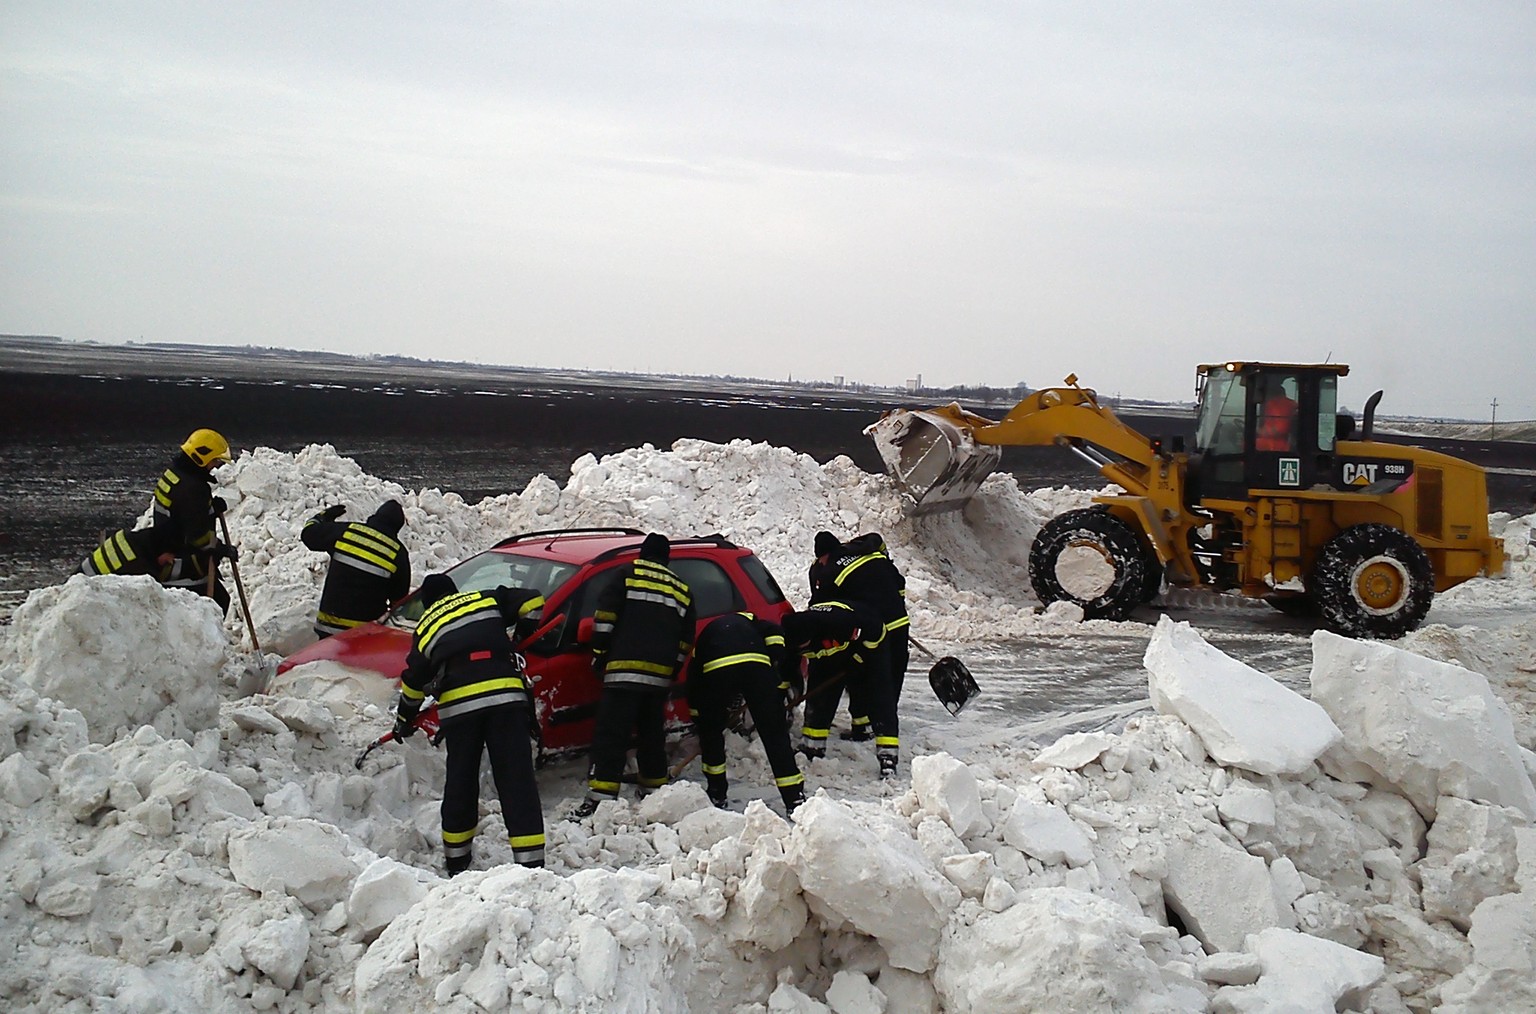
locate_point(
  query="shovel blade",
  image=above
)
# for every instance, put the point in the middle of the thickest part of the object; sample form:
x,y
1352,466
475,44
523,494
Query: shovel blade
x,y
953,684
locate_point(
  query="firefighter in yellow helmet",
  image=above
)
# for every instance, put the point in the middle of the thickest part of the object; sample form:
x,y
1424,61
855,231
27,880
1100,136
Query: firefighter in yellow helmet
x,y
179,548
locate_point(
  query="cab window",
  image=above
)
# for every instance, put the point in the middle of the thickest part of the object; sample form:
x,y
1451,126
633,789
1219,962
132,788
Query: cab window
x,y
1222,423
1327,412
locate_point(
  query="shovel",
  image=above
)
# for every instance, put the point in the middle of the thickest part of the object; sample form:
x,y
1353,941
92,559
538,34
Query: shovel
x,y
951,681
426,721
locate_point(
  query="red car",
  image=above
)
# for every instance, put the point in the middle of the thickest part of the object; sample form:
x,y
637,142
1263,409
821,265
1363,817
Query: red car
x,y
570,567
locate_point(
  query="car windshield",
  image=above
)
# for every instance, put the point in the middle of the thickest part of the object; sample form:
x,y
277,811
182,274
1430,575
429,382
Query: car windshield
x,y
489,570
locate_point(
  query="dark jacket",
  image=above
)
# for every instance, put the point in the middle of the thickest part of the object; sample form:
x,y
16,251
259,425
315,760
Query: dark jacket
x,y
728,646
861,570
643,627
182,508
369,567
835,637
461,654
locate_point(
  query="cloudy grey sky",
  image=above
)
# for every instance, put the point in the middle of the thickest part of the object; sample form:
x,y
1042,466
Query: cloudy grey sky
x,y
973,192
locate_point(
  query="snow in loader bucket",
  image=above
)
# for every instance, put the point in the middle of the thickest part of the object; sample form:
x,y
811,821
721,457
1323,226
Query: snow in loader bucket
x,y
934,460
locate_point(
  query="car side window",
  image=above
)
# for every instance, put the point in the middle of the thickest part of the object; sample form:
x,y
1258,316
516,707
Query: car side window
x,y
712,588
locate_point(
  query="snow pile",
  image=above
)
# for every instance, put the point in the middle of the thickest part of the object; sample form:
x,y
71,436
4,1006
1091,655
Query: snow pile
x,y
963,572
124,653
248,865
1517,584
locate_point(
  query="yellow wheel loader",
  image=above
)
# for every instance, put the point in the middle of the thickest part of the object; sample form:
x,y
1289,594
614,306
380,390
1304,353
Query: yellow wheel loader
x,y
1277,498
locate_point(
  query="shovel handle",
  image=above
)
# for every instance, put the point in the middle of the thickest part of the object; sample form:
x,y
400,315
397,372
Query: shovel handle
x,y
234,570
920,646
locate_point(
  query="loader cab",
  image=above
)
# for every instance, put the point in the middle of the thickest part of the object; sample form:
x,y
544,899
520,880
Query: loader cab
x,y
1264,426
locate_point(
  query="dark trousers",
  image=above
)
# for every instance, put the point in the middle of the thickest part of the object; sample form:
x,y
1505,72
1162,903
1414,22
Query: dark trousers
x,y
759,686
900,656
502,733
622,711
867,684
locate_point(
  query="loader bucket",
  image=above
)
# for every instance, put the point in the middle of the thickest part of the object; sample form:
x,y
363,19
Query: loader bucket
x,y
933,457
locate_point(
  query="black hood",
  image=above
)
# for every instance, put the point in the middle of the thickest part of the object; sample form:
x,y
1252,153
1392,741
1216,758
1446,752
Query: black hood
x,y
656,548
435,587
389,518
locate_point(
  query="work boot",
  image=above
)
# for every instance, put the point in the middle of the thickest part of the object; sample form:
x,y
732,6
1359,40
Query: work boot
x,y
857,734
811,752
586,808
887,767
793,797
454,865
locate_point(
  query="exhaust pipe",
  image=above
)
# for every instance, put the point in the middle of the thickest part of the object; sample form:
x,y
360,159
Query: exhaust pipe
x,y
1369,422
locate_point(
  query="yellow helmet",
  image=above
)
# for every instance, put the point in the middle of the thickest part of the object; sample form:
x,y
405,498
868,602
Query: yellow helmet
x,y
205,447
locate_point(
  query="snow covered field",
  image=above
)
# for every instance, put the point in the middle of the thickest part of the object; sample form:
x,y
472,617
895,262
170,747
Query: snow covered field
x,y
171,842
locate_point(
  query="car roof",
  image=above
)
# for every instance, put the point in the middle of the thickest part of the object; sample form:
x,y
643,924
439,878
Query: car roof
x,y
584,545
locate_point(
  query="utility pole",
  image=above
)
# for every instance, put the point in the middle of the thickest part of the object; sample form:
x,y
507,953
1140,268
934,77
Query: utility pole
x,y
1493,418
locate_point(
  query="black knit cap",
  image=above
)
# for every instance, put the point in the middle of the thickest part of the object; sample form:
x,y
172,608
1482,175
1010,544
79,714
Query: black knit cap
x,y
656,548
435,587
825,544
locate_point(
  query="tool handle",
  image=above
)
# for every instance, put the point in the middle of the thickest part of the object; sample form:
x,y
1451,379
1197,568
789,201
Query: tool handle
x,y
234,570
920,646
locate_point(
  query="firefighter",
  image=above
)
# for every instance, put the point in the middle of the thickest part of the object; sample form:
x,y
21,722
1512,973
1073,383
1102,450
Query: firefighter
x,y
179,548
862,569
844,644
643,630
461,656
369,569
740,655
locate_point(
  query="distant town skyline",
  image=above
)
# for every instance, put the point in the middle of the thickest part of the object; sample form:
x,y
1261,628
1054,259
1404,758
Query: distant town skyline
x,y
976,194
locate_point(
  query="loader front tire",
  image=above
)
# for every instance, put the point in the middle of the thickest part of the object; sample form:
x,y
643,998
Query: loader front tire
x,y
1372,580
1092,558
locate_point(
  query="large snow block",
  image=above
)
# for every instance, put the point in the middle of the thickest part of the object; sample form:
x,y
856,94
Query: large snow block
x,y
1056,949
1427,729
1244,718
1222,894
1301,973
870,873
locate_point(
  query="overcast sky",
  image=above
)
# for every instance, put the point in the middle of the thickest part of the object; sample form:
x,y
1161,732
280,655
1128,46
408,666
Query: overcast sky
x,y
977,193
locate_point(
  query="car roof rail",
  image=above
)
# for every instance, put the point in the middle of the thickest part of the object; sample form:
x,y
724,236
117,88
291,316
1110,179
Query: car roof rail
x,y
551,532
716,540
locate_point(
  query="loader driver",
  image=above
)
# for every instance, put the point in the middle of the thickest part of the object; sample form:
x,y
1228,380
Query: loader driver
x,y
1276,431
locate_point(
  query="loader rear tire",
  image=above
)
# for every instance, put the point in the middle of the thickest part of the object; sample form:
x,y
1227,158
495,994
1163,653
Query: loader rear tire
x,y
1373,580
1092,558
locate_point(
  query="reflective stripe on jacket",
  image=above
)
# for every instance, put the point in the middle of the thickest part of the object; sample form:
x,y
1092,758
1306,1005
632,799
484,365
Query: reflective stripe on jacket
x,y
644,626
462,653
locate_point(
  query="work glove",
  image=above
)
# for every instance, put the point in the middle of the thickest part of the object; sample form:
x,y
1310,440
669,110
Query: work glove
x,y
224,551
717,787
404,728
333,512
218,505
